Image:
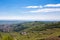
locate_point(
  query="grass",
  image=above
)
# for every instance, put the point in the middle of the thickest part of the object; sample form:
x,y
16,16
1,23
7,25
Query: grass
x,y
31,36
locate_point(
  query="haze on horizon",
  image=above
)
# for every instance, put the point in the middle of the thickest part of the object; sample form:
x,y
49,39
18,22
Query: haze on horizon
x,y
30,10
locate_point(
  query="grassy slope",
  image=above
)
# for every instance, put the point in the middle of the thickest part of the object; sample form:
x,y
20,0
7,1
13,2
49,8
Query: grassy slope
x,y
33,35
35,31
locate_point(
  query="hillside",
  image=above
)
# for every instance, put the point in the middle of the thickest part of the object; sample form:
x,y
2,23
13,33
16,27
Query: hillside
x,y
31,31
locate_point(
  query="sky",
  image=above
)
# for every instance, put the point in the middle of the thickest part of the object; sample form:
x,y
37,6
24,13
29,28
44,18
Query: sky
x,y
41,10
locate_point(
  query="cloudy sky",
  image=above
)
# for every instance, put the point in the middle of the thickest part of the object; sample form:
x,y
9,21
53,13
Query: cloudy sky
x,y
30,10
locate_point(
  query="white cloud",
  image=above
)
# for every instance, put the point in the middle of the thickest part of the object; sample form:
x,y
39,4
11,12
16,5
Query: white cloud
x,y
18,18
36,17
52,5
34,7
45,10
48,8
47,5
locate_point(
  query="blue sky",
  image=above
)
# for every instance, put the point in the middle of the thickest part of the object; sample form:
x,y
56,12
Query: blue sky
x,y
30,10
